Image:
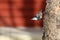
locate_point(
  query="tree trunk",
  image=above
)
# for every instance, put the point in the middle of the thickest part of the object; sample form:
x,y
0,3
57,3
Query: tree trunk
x,y
52,20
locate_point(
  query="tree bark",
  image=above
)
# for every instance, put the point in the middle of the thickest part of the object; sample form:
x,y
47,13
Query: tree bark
x,y
52,20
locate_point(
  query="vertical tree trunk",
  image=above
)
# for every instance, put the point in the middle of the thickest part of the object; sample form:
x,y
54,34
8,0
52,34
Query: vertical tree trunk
x,y
52,20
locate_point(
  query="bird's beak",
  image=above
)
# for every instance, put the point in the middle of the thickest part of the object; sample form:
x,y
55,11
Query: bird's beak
x,y
34,18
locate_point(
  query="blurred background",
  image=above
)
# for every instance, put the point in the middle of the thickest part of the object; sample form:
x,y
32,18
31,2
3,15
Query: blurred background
x,y
16,13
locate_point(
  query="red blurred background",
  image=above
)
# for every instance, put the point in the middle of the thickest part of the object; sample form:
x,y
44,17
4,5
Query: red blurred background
x,y
19,12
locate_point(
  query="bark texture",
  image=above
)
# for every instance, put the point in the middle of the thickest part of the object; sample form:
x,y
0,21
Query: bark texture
x,y
52,20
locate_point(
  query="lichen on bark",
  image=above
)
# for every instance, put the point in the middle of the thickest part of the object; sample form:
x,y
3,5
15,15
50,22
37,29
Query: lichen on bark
x,y
52,20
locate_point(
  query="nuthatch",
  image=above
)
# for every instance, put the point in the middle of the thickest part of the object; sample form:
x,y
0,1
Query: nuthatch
x,y
38,16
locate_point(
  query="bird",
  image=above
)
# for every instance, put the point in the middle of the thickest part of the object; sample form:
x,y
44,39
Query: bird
x,y
38,16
